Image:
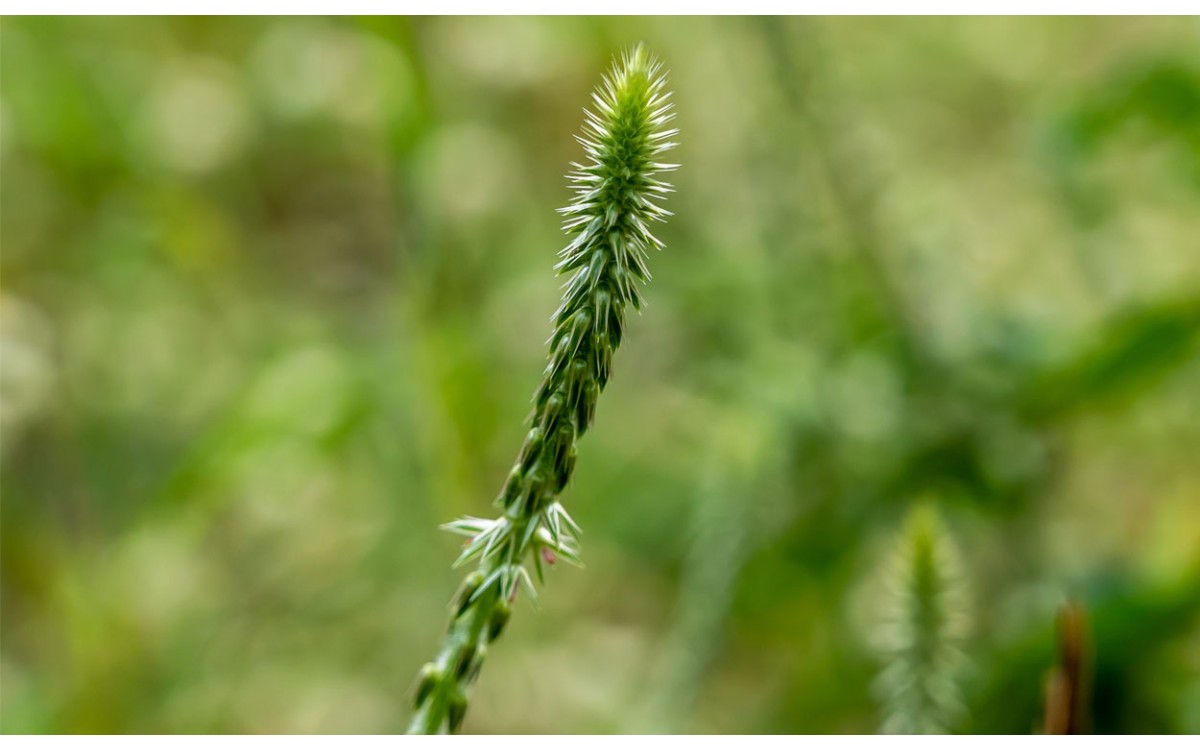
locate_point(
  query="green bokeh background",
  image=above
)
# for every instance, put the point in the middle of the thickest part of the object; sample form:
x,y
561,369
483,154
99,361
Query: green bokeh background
x,y
275,294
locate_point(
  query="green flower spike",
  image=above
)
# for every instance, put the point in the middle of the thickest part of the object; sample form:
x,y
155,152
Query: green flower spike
x,y
616,194
923,629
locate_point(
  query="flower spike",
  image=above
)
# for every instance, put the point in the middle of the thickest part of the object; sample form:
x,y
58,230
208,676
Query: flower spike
x,y
618,191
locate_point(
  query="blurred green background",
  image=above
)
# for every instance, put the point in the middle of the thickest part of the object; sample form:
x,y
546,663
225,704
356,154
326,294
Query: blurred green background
x,y
274,299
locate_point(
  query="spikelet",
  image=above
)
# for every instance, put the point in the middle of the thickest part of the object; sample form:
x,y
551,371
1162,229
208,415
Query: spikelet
x,y
618,191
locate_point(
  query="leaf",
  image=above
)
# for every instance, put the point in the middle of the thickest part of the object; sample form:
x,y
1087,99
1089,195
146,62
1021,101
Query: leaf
x,y
1132,351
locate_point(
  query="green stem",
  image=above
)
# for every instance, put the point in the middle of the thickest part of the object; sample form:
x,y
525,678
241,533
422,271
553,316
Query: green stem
x,y
463,644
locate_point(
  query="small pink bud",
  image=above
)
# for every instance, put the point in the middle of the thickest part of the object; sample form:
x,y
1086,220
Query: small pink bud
x,y
548,556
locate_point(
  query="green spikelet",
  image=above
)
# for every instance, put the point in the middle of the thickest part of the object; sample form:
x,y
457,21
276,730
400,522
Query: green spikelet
x,y
616,194
922,630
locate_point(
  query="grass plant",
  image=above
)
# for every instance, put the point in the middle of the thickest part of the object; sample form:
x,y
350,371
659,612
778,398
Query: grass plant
x,y
617,194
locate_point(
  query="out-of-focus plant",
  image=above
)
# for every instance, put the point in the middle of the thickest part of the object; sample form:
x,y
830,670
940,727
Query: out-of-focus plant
x,y
924,623
616,199
1066,691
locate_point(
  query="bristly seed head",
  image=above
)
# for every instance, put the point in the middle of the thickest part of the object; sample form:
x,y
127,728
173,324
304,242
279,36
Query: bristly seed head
x,y
922,629
617,192
617,195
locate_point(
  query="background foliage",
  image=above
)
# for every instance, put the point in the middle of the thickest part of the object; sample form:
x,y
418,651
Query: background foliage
x,y
275,292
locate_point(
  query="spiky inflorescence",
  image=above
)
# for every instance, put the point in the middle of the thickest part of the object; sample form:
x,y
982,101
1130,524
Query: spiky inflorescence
x,y
615,201
923,626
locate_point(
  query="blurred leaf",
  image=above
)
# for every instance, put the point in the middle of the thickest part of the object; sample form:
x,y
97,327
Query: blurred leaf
x,y
1126,357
